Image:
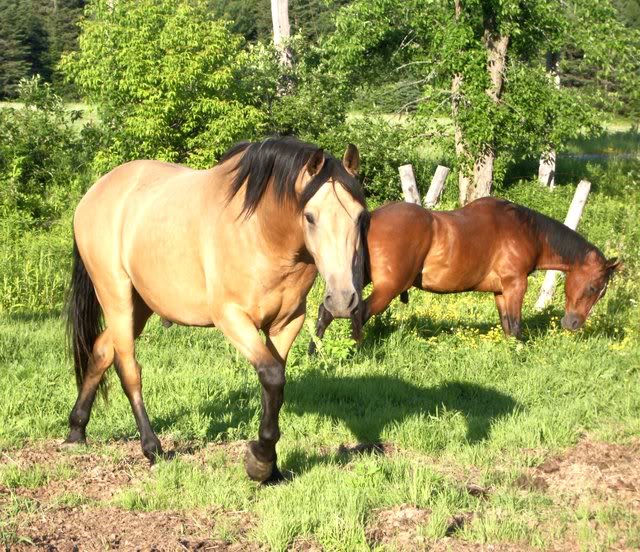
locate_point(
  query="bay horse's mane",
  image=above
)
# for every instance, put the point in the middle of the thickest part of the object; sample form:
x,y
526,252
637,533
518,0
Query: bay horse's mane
x,y
277,162
567,243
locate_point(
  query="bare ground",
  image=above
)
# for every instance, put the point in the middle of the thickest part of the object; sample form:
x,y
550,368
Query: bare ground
x,y
592,473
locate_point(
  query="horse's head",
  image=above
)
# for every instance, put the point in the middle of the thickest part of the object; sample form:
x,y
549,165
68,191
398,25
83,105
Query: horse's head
x,y
333,219
586,283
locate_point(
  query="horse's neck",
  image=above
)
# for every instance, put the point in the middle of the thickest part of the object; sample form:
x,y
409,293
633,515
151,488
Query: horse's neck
x,y
280,228
550,259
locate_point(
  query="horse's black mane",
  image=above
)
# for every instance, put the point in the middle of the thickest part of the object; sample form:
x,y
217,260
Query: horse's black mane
x,y
567,243
279,160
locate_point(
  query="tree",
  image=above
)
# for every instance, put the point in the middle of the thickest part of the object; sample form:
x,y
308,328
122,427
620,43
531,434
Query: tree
x,y
481,63
169,81
281,29
24,43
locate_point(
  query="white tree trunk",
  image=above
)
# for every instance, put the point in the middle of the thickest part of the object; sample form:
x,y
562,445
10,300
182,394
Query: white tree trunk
x,y
409,186
547,166
281,29
573,217
437,185
497,46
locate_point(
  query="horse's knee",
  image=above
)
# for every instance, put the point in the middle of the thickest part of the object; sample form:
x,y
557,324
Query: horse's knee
x,y
271,376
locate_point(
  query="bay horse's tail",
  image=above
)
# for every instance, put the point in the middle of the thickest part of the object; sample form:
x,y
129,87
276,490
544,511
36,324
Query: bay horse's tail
x,y
84,314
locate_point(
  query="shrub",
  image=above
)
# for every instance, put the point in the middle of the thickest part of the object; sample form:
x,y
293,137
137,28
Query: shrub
x,y
42,155
167,80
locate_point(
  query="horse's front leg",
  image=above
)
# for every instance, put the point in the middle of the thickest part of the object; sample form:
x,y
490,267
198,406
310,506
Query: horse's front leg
x,y
269,362
509,304
324,319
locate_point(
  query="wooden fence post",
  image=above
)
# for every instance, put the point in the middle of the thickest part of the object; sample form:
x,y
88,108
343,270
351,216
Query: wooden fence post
x,y
409,186
573,217
437,185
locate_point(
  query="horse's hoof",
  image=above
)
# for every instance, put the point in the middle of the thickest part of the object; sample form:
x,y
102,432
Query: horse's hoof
x,y
257,469
276,477
311,351
76,437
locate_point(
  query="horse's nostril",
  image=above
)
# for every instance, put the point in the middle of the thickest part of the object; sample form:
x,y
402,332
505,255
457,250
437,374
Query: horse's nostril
x,y
353,300
574,324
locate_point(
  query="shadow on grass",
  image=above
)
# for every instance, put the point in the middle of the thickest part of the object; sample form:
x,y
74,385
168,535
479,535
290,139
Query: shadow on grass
x,y
367,405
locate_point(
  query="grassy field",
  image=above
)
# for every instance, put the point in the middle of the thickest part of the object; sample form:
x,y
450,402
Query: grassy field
x,y
436,433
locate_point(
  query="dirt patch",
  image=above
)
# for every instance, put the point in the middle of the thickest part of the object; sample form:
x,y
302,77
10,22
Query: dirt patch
x,y
96,473
399,526
114,529
593,470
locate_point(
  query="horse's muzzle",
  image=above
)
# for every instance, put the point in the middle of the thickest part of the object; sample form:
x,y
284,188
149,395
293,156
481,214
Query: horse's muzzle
x,y
342,303
572,322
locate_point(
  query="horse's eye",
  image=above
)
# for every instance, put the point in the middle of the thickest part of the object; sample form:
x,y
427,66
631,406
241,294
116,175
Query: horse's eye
x,y
309,218
593,290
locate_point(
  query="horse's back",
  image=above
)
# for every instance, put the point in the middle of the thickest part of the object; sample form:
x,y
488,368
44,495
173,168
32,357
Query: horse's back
x,y
475,247
144,221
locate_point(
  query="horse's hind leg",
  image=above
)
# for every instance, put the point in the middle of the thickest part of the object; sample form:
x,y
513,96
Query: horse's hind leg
x,y
126,314
101,358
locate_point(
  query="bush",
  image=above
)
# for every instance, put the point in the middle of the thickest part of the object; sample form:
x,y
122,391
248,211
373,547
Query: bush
x,y
42,155
384,146
168,80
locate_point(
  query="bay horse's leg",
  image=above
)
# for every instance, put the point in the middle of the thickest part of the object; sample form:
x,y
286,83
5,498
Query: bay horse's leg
x,y
101,359
513,291
268,361
324,319
502,312
378,301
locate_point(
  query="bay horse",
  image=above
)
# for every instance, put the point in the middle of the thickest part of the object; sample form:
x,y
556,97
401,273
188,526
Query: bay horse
x,y
237,247
489,245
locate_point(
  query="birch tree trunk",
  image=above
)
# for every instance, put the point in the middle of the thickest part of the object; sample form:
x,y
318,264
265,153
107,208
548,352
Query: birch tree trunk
x,y
464,178
281,29
547,167
497,46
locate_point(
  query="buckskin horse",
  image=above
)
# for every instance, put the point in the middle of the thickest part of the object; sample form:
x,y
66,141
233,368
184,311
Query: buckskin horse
x,y
237,247
489,245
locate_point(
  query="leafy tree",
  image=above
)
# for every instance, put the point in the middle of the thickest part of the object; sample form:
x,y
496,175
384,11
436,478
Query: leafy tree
x,y
23,44
169,80
481,63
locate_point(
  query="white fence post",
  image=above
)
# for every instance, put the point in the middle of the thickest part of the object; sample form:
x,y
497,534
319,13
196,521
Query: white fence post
x,y
409,186
573,217
437,185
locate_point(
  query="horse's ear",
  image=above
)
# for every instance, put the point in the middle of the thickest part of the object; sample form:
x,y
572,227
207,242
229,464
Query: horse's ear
x,y
315,163
614,265
351,160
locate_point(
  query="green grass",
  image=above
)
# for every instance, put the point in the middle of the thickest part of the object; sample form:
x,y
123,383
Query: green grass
x,y
435,380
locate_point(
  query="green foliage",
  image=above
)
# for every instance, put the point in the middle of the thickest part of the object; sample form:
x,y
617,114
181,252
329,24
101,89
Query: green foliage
x,y
33,36
182,91
42,155
421,42
23,44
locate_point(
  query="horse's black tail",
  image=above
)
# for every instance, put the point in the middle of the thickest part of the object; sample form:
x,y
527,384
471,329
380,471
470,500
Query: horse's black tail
x,y
84,318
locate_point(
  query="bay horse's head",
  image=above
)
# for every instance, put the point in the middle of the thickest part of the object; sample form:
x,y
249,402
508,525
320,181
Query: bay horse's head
x,y
333,219
585,284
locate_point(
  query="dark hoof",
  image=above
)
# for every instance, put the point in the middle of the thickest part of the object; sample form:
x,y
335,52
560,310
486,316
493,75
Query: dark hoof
x,y
312,348
276,477
76,437
258,470
153,451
